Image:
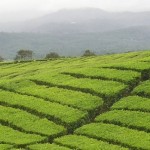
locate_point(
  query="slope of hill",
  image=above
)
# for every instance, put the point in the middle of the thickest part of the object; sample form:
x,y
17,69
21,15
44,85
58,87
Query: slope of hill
x,y
100,102
122,40
70,32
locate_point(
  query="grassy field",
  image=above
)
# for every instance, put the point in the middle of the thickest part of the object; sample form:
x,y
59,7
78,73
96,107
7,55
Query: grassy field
x,y
84,103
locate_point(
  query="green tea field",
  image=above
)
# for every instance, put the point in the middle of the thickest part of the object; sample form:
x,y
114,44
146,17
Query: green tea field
x,y
83,103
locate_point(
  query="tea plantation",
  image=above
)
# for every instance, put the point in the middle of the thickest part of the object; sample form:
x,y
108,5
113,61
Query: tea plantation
x,y
84,103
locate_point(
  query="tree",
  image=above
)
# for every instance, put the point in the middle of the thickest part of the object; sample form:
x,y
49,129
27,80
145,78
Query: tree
x,y
88,53
52,55
24,55
1,59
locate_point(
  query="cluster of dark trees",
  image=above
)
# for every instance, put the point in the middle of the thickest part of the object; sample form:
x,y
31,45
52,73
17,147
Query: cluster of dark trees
x,y
25,55
1,59
52,55
88,53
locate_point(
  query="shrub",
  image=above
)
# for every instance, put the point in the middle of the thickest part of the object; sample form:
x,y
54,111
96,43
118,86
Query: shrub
x,y
1,59
52,55
24,55
88,53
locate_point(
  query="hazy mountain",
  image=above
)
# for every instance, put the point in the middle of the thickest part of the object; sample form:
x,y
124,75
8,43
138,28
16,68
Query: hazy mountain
x,y
129,39
89,20
70,32
80,20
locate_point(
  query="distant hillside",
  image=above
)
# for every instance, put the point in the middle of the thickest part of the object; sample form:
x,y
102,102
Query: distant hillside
x,y
70,32
122,40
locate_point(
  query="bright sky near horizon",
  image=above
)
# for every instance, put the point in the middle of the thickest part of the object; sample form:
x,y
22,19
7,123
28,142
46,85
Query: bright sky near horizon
x,y
18,10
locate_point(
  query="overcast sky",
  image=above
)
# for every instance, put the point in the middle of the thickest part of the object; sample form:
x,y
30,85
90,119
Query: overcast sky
x,y
12,10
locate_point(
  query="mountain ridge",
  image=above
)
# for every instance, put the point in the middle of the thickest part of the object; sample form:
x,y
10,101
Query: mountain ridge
x,y
70,32
81,19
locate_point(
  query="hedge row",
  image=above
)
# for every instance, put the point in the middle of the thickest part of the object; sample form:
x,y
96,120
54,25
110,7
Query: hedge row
x,y
133,119
76,99
85,143
126,76
133,103
116,134
9,135
5,146
93,86
28,122
143,89
137,65
64,115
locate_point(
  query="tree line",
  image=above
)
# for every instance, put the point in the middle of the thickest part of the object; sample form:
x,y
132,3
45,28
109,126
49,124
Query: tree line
x,y
26,55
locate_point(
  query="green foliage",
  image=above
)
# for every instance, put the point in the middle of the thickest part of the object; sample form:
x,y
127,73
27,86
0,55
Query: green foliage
x,y
88,53
116,134
77,99
47,146
5,146
67,116
126,76
24,55
29,122
95,86
143,89
133,103
9,135
146,59
43,100
85,143
52,55
1,59
138,66
133,119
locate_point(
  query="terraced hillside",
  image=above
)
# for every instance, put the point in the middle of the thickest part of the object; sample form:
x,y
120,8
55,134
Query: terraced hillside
x,y
86,103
